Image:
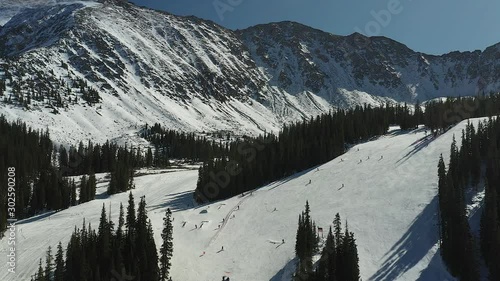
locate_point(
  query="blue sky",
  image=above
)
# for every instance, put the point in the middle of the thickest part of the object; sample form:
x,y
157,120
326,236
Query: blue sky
x,y
430,26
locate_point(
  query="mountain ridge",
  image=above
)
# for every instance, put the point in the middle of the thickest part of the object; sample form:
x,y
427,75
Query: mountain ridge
x,y
195,75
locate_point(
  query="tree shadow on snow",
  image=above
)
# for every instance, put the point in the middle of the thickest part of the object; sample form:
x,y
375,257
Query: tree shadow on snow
x,y
417,146
281,182
36,217
176,202
412,247
435,270
286,272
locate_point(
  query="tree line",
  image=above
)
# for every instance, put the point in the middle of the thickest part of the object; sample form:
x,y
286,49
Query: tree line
x,y
40,183
180,145
443,113
338,258
252,162
30,153
477,160
43,170
127,253
248,163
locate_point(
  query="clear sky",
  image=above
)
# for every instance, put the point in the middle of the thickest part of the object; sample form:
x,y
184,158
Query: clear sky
x,y
429,26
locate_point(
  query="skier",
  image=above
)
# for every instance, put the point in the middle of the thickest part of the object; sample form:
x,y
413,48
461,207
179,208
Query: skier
x,y
342,185
309,181
183,224
238,207
196,226
283,241
222,249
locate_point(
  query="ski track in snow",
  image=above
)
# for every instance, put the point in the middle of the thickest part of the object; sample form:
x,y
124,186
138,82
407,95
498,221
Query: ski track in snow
x,y
226,220
390,204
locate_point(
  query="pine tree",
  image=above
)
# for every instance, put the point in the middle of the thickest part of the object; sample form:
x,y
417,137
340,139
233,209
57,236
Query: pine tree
x,y
118,243
306,244
141,239
490,232
442,194
326,266
166,250
350,256
83,190
104,244
130,221
40,276
121,222
129,256
91,187
337,224
73,200
149,157
153,271
59,270
339,251
48,264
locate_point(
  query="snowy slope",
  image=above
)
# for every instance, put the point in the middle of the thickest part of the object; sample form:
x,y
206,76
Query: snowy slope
x,y
390,204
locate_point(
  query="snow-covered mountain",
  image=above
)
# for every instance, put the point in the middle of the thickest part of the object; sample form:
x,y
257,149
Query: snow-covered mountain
x,y
299,58
151,66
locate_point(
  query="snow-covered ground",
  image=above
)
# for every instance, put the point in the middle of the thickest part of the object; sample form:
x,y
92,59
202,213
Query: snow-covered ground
x,y
390,204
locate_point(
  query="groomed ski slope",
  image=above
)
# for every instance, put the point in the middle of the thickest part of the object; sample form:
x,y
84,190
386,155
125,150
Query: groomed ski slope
x,y
390,205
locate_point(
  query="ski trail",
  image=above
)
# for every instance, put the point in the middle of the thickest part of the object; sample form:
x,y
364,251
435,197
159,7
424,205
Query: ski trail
x,y
226,219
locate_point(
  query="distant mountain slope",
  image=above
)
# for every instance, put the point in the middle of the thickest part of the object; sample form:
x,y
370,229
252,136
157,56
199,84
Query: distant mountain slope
x,y
299,58
191,74
148,66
